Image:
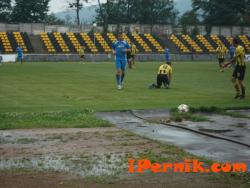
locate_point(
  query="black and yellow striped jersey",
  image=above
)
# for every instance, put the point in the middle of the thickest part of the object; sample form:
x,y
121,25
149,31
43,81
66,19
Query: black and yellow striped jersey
x,y
222,51
133,49
165,69
240,56
81,51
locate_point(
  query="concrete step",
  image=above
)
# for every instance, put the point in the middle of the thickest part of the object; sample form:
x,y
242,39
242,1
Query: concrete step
x,y
37,44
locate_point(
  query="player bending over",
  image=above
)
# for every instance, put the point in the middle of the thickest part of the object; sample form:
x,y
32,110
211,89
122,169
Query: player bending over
x,y
239,70
120,48
164,76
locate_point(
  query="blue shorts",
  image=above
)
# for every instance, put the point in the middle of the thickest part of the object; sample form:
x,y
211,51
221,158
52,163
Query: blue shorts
x,y
19,58
121,64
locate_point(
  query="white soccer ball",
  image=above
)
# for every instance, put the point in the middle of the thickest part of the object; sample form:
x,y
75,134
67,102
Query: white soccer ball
x,y
183,108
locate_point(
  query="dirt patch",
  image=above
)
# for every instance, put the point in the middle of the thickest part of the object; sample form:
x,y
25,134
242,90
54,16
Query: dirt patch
x,y
93,157
30,179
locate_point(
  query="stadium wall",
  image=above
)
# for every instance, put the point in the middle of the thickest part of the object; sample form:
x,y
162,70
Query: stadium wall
x,y
37,28
109,57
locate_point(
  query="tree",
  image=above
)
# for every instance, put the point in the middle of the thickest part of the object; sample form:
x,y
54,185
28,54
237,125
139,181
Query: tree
x,y
189,18
53,20
136,11
77,5
223,12
102,16
5,10
30,11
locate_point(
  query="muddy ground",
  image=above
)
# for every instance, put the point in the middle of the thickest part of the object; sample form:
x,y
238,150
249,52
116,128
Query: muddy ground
x,y
92,157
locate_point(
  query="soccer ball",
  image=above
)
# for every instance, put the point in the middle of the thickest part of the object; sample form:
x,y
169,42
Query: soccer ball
x,y
183,108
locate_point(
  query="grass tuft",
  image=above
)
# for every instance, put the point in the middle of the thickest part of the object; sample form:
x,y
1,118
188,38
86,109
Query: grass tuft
x,y
179,117
64,119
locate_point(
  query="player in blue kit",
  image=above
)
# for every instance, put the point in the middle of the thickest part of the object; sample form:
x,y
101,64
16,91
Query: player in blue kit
x,y
167,55
19,51
231,51
120,49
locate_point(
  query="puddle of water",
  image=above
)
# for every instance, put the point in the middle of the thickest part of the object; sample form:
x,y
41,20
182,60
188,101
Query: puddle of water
x,y
215,149
103,165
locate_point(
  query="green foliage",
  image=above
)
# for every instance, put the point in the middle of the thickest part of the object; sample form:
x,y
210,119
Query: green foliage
x,y
79,119
136,11
195,31
77,5
223,12
189,18
5,10
30,11
53,20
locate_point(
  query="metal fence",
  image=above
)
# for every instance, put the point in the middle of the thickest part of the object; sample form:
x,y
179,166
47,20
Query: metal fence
x,y
109,57
37,28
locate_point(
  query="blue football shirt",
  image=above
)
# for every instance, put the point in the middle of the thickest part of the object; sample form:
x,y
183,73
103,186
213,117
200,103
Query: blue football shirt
x,y
120,49
167,54
19,51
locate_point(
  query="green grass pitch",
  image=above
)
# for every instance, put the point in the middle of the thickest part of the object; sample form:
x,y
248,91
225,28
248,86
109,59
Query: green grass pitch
x,y
46,87
66,86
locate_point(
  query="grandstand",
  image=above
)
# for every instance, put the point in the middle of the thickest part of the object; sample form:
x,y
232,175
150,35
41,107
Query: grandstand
x,y
98,43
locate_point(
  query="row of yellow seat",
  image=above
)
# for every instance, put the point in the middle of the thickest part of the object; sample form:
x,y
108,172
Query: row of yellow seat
x,y
245,41
229,39
91,45
243,38
210,43
126,38
217,40
143,44
156,44
74,41
5,42
19,40
179,44
89,42
61,42
47,43
192,43
111,37
205,42
102,41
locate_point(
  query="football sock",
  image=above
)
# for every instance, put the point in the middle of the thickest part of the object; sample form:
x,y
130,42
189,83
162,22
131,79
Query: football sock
x,y
122,77
243,90
118,79
237,89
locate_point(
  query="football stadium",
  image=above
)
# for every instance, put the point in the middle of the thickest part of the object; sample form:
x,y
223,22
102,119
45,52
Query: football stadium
x,y
123,93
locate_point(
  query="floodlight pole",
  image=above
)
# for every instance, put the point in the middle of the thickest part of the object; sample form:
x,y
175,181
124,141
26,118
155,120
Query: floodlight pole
x,y
94,26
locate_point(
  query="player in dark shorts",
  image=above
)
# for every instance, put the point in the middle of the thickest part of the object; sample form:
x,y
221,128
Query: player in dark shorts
x,y
129,59
164,76
133,53
239,70
81,52
222,51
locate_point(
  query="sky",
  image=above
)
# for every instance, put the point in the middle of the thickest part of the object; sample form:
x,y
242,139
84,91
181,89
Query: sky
x,y
59,5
